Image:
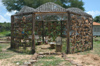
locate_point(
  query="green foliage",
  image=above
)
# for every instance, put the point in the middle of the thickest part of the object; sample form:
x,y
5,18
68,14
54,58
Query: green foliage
x,y
5,26
8,34
76,3
5,29
97,19
17,5
5,33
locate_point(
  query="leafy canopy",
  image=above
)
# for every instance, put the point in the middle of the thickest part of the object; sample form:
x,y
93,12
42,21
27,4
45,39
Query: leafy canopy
x,y
18,4
97,19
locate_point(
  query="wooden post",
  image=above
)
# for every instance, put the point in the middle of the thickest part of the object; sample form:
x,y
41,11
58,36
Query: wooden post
x,y
61,36
33,35
92,33
12,38
68,34
43,31
61,29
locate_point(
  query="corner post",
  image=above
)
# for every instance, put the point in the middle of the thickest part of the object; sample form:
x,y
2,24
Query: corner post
x,y
92,33
12,38
33,35
68,34
43,31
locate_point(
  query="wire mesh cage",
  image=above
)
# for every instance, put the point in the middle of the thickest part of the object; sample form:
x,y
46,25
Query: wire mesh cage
x,y
50,20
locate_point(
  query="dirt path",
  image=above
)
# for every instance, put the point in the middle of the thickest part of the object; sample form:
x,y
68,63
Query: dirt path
x,y
10,58
85,60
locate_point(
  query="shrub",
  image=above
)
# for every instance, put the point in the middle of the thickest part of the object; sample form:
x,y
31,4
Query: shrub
x,y
8,34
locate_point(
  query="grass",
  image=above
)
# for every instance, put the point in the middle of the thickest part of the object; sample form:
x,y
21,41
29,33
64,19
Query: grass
x,y
64,45
11,57
4,33
51,61
47,60
50,57
96,47
0,48
20,61
8,53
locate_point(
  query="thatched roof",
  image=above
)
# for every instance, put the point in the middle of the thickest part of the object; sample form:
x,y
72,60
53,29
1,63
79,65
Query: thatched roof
x,y
52,7
26,9
77,11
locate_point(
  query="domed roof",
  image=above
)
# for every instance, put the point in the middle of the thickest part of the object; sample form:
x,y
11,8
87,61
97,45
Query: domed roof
x,y
77,11
52,7
26,9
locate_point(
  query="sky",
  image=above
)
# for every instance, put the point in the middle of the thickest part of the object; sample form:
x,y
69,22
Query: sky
x,y
92,7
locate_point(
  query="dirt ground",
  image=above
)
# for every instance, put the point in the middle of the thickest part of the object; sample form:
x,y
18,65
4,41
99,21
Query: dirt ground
x,y
85,60
14,61
10,58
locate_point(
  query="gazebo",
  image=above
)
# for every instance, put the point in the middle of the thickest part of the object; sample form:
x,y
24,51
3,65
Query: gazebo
x,y
52,20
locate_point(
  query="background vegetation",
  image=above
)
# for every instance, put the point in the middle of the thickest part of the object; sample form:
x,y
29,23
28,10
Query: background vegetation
x,y
17,5
97,19
5,29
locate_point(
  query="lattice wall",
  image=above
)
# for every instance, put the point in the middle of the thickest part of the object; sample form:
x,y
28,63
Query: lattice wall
x,y
22,31
48,25
78,30
80,33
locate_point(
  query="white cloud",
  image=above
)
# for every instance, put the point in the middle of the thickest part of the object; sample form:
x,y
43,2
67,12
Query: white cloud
x,y
10,13
94,13
2,19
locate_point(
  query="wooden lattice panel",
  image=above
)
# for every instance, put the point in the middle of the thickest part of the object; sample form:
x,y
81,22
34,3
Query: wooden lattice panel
x,y
22,29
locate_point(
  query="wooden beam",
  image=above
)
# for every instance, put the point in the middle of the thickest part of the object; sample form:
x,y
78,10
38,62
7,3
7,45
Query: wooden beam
x,y
23,14
48,12
33,35
49,20
68,34
36,13
79,14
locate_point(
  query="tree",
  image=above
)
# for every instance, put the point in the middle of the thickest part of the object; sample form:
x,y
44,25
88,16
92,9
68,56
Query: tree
x,y
76,3
97,19
18,4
